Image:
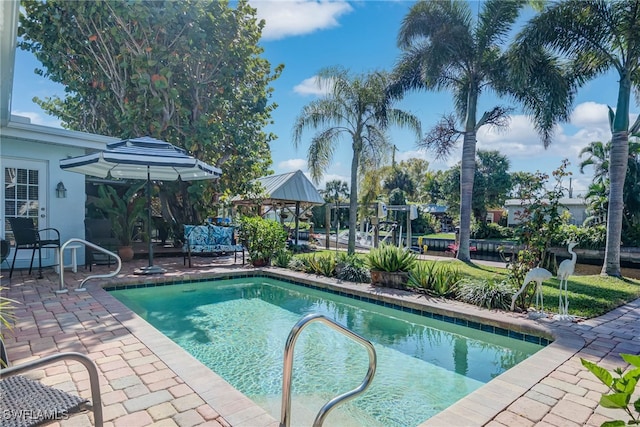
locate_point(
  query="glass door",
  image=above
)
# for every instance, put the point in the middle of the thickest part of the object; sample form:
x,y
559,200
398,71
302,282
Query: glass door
x,y
24,195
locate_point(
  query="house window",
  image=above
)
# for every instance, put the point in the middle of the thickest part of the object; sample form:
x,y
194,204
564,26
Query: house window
x,y
21,195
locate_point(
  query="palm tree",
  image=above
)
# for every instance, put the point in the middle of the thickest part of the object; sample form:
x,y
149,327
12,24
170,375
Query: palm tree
x,y
598,157
445,48
356,107
586,38
336,191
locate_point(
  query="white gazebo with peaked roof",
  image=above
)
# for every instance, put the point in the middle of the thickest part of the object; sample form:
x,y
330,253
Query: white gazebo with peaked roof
x,y
291,191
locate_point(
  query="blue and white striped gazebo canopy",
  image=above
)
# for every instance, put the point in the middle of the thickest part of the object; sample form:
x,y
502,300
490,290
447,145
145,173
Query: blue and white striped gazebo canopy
x,y
142,158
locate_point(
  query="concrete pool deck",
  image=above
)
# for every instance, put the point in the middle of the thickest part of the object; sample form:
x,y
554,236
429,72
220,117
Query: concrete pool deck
x,y
147,380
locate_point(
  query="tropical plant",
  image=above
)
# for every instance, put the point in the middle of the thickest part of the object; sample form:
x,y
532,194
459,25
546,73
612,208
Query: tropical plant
x,y
263,238
283,258
297,264
621,388
352,268
357,107
491,293
444,48
434,278
188,72
562,48
124,210
322,265
7,305
391,258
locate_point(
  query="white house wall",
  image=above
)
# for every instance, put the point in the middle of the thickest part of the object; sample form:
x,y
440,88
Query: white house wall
x,y
65,214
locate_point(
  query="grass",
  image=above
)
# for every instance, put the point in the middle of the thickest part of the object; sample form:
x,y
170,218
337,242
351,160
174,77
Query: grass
x,y
450,236
589,296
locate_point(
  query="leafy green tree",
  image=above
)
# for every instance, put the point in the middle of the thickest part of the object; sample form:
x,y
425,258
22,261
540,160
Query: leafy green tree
x,y
562,48
491,184
446,48
187,72
493,169
399,179
418,171
355,107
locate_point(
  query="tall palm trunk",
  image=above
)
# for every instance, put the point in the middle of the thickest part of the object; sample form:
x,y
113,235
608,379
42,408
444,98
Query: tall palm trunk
x,y
353,198
618,159
467,174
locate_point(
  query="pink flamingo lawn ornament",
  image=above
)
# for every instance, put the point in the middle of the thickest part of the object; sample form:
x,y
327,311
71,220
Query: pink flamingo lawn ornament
x,y
566,269
538,275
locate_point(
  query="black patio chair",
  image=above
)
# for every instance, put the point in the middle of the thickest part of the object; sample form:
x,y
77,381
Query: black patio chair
x,y
99,232
27,236
27,402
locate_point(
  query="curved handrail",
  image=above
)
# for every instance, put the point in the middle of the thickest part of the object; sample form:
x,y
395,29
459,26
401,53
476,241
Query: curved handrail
x,y
93,276
285,417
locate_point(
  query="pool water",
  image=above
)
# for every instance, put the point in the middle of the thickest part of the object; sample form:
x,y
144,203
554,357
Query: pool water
x,y
238,328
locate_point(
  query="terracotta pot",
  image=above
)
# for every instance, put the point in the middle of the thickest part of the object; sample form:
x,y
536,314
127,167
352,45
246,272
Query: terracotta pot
x,y
125,253
260,262
390,279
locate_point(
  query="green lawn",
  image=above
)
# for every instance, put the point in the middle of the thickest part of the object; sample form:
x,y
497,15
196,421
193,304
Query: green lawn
x,y
589,296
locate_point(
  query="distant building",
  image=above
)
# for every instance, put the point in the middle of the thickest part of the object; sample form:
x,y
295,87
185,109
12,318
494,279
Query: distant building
x,y
576,206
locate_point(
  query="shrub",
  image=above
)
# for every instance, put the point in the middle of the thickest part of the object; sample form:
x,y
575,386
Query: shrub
x,y
434,278
283,258
323,265
591,237
486,293
352,273
352,268
297,264
621,388
491,231
263,238
391,258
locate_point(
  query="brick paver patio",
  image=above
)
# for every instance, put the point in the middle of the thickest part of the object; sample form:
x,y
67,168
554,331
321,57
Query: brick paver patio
x,y
146,380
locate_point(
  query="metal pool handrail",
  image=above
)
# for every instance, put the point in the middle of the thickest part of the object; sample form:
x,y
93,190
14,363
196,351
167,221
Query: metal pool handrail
x,y
285,417
81,288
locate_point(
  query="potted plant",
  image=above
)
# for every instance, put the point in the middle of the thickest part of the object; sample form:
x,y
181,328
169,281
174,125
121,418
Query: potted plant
x,y
390,266
124,211
263,238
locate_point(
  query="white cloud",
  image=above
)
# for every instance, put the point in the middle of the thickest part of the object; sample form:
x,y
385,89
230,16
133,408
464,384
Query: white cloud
x,y
293,18
590,115
313,86
291,165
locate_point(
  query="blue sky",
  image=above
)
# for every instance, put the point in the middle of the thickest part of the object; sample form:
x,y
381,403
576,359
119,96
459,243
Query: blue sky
x,y
306,36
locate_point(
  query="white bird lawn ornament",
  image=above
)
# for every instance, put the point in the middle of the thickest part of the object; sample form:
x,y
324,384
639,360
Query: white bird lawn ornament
x,y
566,269
538,275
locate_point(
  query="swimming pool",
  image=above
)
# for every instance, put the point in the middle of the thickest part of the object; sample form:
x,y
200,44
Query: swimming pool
x,y
238,328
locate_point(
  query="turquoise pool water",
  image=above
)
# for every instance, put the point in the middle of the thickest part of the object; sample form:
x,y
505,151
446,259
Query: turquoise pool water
x,y
238,328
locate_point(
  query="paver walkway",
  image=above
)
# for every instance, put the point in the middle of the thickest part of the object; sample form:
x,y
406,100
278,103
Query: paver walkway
x,y
147,381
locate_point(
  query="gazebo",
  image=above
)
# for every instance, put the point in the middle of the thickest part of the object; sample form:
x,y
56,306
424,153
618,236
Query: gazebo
x,y
292,192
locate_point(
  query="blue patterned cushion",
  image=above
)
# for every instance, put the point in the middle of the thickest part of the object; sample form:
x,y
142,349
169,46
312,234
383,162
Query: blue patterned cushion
x,y
209,238
220,235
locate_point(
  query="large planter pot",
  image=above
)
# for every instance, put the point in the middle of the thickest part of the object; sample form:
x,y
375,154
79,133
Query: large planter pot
x,y
260,262
390,279
125,253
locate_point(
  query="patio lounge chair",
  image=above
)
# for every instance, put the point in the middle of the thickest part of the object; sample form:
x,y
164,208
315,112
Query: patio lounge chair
x,y
26,402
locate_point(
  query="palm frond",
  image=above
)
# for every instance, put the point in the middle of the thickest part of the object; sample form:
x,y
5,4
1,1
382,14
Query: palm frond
x,y
495,21
321,150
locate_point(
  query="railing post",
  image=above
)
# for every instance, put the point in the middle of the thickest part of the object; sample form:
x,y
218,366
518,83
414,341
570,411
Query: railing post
x,y
285,414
